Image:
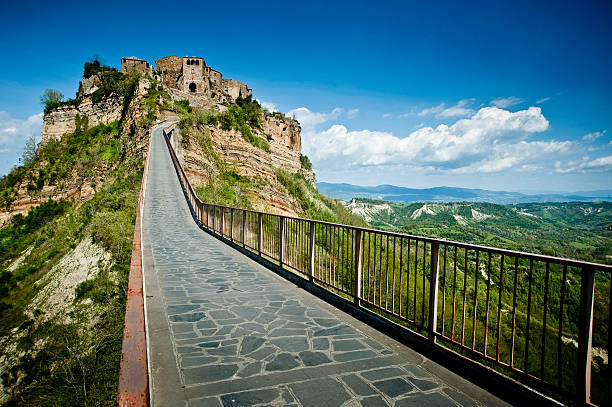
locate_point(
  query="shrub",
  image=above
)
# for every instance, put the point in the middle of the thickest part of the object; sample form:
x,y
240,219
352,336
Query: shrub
x,y
94,67
305,162
206,117
183,105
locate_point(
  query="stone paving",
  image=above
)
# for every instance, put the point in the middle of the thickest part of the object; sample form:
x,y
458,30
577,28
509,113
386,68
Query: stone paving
x,y
224,331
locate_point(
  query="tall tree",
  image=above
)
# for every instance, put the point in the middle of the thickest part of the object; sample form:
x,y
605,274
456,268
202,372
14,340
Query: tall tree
x,y
29,151
51,96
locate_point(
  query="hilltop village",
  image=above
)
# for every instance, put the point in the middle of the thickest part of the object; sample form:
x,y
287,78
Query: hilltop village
x,y
183,90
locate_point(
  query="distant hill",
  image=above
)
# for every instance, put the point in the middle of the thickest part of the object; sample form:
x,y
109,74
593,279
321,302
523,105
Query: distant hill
x,y
573,229
393,193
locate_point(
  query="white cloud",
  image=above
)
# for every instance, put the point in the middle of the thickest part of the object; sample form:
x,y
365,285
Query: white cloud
x,y
460,109
503,103
594,136
269,106
585,165
540,101
352,113
491,140
385,115
14,132
432,110
309,120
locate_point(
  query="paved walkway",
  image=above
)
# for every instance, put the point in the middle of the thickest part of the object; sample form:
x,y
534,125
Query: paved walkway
x,y
224,330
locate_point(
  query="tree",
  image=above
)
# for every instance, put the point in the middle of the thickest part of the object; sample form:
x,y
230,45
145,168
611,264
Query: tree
x,y
29,151
51,96
51,99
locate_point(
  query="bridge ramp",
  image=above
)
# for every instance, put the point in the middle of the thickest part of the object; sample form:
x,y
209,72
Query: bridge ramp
x,y
225,331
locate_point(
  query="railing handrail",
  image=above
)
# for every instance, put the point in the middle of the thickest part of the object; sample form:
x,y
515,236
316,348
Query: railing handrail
x,y
495,250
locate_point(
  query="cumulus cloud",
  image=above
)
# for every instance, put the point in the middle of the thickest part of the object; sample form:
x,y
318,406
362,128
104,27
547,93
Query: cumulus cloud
x,y
14,132
491,140
594,136
459,109
352,113
503,103
309,120
585,165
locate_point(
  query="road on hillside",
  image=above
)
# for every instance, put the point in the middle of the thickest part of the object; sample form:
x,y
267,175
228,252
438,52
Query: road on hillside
x,y
225,331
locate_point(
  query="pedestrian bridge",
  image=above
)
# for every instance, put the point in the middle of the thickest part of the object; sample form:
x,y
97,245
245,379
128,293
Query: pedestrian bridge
x,y
245,309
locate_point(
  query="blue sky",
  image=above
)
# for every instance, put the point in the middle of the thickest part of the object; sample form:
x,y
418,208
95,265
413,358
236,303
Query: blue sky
x,y
497,95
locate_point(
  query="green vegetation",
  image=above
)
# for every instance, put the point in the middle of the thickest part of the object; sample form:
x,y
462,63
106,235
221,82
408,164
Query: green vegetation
x,y
95,67
52,99
117,83
229,189
156,99
72,365
29,152
305,162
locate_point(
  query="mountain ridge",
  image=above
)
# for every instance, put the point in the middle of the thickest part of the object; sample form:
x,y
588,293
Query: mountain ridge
x,y
393,193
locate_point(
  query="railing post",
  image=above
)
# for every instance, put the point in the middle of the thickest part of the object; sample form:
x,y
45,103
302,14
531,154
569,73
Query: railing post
x,y
232,224
259,233
214,217
244,214
358,267
311,254
281,252
433,291
585,336
222,220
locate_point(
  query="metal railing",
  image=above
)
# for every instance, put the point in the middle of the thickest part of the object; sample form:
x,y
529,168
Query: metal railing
x,y
528,315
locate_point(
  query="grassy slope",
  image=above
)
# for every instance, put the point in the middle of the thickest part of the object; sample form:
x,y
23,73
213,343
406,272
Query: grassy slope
x,y
74,362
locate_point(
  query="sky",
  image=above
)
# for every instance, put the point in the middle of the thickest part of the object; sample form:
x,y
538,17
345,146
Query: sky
x,y
502,95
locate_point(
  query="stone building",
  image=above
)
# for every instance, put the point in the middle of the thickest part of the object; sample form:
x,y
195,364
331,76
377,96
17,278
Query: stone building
x,y
133,63
191,75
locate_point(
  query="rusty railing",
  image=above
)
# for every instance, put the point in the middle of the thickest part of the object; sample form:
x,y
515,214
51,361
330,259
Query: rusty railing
x,y
529,316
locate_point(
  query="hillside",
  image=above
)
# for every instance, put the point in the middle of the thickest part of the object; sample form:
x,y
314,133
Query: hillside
x,y
571,229
65,246
394,193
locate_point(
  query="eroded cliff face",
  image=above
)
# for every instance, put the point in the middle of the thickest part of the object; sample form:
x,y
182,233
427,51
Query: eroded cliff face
x,y
264,192
63,120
